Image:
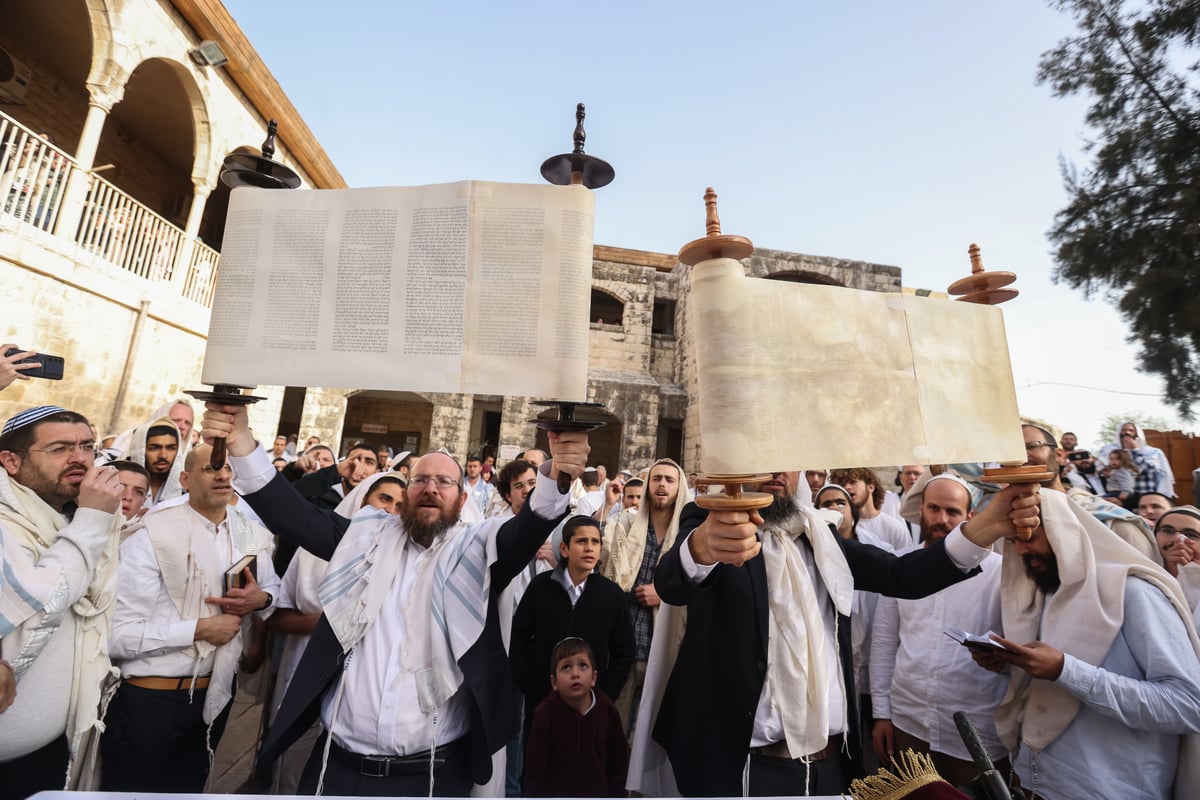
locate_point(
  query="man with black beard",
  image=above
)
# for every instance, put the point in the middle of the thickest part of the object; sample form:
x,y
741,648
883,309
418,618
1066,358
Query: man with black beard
x,y
1102,663
775,589
1080,471
427,697
1042,450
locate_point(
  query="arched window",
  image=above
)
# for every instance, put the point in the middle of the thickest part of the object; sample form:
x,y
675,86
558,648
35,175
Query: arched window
x,y
606,309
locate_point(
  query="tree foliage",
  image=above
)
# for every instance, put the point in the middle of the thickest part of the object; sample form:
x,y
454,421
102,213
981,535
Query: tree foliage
x,y
1113,422
1131,228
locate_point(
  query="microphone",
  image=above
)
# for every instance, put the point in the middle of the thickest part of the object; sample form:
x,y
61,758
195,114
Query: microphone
x,y
989,780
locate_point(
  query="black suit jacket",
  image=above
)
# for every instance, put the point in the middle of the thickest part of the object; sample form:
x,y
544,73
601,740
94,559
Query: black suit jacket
x,y
486,675
707,714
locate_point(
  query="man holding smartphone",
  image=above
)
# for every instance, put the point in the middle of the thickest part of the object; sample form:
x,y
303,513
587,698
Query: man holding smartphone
x,y
59,527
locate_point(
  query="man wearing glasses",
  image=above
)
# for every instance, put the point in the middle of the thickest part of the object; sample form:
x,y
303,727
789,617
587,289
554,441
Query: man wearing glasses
x,y
1042,449
59,526
406,668
1178,534
177,632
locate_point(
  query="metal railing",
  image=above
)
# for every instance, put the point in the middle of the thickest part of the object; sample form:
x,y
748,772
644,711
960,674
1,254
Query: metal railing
x,y
113,226
33,174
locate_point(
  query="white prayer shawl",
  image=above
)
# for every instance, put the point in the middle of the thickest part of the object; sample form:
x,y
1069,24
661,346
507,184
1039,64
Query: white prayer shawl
x,y
453,593
625,539
24,592
798,662
192,570
124,440
32,525
137,454
1131,528
357,496
800,656
1083,618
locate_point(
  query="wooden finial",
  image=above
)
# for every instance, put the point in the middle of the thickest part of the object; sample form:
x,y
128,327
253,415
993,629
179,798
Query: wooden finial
x,y
714,244
976,259
712,223
1019,474
981,286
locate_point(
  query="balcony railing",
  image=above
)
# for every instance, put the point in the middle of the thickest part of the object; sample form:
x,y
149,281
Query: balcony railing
x,y
113,226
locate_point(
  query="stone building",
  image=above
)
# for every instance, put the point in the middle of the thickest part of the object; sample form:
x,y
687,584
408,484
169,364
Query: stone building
x,y
111,228
115,116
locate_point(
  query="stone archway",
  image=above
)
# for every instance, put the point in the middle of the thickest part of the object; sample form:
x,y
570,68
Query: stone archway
x,y
159,137
399,420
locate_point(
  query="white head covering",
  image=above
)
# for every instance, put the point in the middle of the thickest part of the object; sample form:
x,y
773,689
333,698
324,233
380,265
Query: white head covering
x,y
626,539
357,496
914,498
1083,618
137,454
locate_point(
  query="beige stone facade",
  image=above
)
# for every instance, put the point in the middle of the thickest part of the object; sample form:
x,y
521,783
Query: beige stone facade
x,y
109,254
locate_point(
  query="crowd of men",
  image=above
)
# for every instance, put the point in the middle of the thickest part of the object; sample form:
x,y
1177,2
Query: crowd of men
x,y
434,625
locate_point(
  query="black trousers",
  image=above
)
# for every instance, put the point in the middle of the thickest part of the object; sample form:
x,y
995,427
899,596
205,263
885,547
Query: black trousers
x,y
45,769
772,777
155,740
451,779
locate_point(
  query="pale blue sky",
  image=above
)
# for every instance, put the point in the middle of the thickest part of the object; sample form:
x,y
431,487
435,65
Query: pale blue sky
x,y
889,132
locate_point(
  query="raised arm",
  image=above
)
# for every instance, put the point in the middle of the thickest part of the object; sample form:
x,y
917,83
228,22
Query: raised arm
x,y
282,509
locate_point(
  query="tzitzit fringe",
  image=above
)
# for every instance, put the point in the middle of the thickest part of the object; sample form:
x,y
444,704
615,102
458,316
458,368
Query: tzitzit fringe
x,y
910,771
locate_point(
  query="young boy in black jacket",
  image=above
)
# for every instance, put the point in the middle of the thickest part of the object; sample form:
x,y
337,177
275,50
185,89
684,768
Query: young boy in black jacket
x,y
571,600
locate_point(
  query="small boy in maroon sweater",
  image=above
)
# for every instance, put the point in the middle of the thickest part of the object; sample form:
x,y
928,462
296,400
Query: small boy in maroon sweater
x,y
576,747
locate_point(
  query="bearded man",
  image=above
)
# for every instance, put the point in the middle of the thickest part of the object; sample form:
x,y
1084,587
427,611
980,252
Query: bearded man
x,y
635,542
59,527
1102,664
919,675
427,697
775,589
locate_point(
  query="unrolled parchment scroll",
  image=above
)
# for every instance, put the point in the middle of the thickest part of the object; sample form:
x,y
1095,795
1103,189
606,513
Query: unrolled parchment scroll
x,y
797,375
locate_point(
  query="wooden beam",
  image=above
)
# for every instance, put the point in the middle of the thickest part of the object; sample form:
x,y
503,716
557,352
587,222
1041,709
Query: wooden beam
x,y
662,262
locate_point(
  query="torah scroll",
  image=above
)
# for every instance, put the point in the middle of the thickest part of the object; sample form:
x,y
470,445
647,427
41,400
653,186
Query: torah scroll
x,y
406,289
796,375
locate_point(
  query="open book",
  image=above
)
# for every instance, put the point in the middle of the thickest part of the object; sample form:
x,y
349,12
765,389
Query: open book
x,y
973,640
406,288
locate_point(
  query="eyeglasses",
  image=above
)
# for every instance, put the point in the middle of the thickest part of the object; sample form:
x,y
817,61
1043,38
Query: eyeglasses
x,y
1187,533
441,481
87,448
1036,445
209,469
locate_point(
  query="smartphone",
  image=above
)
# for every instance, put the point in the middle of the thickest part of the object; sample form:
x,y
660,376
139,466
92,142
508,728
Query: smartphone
x,y
51,366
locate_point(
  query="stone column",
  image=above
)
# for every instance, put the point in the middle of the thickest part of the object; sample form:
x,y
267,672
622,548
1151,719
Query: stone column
x,y
451,425
515,427
264,415
323,414
183,260
100,103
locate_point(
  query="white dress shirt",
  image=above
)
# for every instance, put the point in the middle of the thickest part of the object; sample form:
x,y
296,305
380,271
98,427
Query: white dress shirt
x,y
920,676
150,637
376,710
